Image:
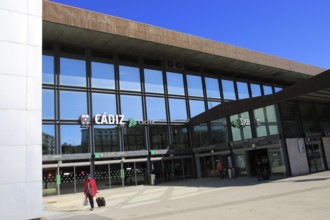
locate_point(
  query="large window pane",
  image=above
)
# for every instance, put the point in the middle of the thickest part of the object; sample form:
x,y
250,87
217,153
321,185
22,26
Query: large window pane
x,y
240,130
178,110
259,115
106,138
261,131
48,104
153,80
131,107
267,90
212,87
175,83
156,109
201,136
212,104
196,107
158,137
255,90
134,138
228,89
243,91
48,139
73,104
47,69
278,89
218,131
180,136
103,75
195,87
74,139
72,72
271,115
104,103
129,78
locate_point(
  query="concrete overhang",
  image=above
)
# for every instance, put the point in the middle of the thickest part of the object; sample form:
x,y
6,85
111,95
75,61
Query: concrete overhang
x,y
69,25
314,90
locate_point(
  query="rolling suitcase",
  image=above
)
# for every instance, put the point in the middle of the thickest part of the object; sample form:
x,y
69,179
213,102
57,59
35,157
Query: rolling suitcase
x,y
100,201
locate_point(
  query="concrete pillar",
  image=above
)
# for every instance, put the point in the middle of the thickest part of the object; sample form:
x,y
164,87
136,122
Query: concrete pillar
x,y
20,109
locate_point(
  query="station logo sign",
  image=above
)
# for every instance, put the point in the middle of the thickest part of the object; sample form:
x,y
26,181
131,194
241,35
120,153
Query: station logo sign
x,y
243,122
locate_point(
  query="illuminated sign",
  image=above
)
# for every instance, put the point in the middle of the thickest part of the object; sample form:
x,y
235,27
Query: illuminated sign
x,y
103,119
243,122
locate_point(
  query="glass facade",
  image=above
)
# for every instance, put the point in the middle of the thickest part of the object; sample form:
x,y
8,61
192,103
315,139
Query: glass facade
x,y
160,101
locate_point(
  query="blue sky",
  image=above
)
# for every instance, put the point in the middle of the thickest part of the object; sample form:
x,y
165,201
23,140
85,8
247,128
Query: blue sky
x,y
298,30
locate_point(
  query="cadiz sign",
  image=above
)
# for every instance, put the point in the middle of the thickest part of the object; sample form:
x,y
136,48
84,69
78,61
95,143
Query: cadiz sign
x,y
108,119
243,122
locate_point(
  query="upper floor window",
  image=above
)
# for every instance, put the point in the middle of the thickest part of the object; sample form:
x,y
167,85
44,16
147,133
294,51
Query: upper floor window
x,y
48,69
228,89
267,90
103,75
175,83
153,80
129,78
243,91
195,87
255,90
212,87
72,72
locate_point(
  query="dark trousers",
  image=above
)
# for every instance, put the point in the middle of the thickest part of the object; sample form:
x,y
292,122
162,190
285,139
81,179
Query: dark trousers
x,y
91,200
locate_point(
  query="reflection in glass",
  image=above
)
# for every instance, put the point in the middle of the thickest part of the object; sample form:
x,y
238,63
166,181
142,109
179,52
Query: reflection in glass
x,y
73,104
153,80
194,84
156,109
74,139
218,131
72,72
48,139
201,136
273,129
261,131
240,131
158,137
255,90
131,107
212,87
196,107
212,104
48,104
134,138
259,114
178,109
175,83
267,90
228,89
271,115
103,75
243,91
104,103
47,69
106,138
180,136
129,78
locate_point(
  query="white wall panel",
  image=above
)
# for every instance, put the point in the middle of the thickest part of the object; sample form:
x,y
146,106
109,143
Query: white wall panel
x,y
13,27
13,201
14,133
13,58
12,92
12,164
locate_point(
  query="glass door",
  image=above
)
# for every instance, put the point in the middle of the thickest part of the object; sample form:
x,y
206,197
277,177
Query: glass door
x,y
315,157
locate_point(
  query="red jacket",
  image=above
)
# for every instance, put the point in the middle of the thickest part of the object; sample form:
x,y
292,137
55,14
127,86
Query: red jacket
x,y
93,184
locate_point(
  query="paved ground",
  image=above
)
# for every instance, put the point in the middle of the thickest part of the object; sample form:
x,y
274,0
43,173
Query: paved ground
x,y
303,197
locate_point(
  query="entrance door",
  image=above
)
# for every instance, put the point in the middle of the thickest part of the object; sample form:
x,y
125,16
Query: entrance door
x,y
315,157
254,156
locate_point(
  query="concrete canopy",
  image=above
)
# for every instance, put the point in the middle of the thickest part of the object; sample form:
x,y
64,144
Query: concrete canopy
x,y
68,25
